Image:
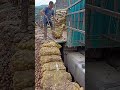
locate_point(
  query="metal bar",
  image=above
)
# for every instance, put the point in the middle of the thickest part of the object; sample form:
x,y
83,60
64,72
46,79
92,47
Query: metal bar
x,y
76,29
115,5
109,25
82,43
74,21
110,38
91,22
74,4
102,3
78,21
117,31
71,20
83,21
93,2
83,10
104,11
116,9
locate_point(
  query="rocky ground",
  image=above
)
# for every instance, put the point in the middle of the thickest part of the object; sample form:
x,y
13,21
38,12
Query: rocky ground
x,y
39,39
10,37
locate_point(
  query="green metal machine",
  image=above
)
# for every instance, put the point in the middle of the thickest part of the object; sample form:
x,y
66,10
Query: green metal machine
x,y
99,27
102,23
75,23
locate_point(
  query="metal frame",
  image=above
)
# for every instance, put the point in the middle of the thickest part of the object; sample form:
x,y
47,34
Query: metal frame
x,y
71,25
109,37
83,10
74,4
104,11
76,30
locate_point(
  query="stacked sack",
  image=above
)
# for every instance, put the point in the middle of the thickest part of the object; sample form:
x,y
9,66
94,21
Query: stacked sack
x,y
61,25
61,15
57,33
54,75
22,65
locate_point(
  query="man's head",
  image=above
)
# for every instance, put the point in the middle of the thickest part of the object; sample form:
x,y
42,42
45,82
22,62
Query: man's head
x,y
51,4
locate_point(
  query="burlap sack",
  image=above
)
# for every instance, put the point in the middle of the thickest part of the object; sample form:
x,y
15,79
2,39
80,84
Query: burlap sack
x,y
50,58
51,44
61,85
57,33
51,66
23,79
49,51
55,75
23,60
27,45
66,86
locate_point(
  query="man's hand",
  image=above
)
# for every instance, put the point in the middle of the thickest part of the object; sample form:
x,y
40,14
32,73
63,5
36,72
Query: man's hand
x,y
57,20
43,13
46,16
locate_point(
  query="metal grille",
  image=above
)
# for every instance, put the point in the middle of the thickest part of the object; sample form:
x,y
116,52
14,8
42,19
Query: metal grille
x,y
103,26
76,23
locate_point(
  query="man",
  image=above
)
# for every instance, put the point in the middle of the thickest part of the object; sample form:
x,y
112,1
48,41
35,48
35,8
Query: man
x,y
47,13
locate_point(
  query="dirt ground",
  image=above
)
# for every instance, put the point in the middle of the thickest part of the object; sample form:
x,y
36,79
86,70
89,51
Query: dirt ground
x,y
39,39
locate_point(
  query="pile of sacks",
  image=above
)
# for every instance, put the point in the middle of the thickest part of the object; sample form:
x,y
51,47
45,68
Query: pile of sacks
x,y
61,25
57,33
61,16
54,75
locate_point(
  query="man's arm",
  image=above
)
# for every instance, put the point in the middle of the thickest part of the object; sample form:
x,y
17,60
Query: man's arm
x,y
42,12
54,16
